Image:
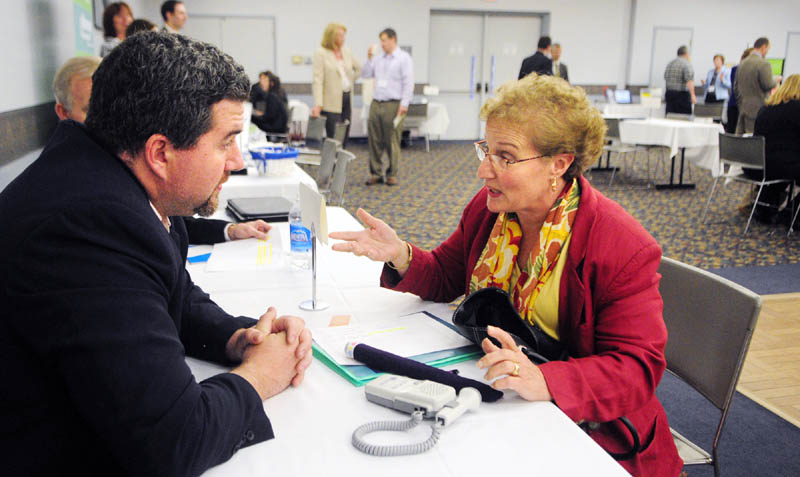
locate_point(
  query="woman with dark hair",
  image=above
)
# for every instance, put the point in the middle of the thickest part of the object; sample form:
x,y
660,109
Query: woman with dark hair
x,y
576,266
140,24
270,105
116,18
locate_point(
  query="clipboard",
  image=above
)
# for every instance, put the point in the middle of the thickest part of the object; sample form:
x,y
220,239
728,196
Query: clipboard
x,y
359,375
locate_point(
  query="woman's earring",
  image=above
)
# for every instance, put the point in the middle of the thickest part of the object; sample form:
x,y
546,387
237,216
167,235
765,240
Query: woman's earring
x,y
554,184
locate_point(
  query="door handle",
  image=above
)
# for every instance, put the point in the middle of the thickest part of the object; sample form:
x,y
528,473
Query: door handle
x,y
477,87
485,87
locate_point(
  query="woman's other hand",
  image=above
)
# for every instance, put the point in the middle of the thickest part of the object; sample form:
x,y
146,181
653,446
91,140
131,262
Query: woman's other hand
x,y
377,241
520,374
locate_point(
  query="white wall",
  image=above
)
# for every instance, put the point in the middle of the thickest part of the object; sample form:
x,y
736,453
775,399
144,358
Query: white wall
x,y
720,26
39,34
580,26
37,37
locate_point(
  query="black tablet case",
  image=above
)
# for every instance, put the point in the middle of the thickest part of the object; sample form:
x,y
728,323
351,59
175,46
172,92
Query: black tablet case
x,y
275,209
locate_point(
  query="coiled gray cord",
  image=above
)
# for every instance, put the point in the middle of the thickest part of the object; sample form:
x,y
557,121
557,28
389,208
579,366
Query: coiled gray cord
x,y
393,450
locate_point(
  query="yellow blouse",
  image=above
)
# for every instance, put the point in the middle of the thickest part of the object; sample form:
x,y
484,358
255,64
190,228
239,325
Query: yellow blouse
x,y
545,308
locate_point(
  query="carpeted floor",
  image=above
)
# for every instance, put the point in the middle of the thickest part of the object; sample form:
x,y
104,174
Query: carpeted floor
x,y
434,188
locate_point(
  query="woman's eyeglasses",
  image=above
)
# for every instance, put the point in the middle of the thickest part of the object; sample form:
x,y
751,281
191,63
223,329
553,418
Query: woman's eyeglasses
x,y
482,149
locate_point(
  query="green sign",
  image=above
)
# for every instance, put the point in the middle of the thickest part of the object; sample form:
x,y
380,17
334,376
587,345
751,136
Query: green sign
x,y
84,28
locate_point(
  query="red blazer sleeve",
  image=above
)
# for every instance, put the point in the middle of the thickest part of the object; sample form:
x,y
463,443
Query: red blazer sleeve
x,y
442,275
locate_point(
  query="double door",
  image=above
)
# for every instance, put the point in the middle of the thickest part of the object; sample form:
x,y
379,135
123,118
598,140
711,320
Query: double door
x,y
471,55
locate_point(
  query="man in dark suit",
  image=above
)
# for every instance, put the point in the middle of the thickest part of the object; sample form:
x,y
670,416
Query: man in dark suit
x,y
72,87
539,62
99,311
559,68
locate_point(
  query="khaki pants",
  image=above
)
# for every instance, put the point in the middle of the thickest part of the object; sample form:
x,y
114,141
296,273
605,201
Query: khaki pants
x,y
383,136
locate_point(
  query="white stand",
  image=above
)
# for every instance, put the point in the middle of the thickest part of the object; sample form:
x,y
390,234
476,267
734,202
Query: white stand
x,y
313,304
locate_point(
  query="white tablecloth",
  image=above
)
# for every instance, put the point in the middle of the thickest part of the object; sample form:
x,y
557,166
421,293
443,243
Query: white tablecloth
x,y
313,423
253,185
701,139
624,111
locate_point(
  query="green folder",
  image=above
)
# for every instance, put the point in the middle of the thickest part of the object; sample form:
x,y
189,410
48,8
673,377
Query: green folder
x,y
360,374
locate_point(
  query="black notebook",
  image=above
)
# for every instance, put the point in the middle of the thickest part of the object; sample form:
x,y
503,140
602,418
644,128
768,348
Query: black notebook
x,y
275,209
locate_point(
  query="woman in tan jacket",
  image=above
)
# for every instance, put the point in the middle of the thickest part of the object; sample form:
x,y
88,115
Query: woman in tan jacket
x,y
335,70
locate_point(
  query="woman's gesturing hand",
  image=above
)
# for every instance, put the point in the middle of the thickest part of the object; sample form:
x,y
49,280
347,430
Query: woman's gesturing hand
x,y
377,241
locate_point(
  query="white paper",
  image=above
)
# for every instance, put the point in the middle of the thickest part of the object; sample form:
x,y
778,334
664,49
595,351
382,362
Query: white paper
x,y
405,336
396,121
248,254
312,211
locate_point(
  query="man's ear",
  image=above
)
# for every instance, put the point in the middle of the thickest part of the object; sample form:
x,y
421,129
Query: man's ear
x,y
61,112
561,163
158,152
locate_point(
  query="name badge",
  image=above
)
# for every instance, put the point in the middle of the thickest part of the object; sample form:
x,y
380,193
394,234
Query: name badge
x,y
383,83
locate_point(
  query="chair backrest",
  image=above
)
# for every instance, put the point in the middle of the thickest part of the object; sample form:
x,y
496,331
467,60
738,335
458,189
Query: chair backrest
x,y
315,132
341,130
742,151
416,115
612,125
710,110
340,176
710,321
679,116
418,109
327,159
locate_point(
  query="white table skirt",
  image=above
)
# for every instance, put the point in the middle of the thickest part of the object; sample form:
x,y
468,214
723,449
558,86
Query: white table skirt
x,y
253,185
313,423
701,139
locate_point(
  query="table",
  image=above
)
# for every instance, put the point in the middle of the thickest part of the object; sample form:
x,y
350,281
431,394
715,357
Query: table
x,y
702,138
628,111
313,423
254,185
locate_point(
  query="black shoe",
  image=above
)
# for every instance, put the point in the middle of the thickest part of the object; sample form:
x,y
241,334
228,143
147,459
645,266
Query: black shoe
x,y
373,181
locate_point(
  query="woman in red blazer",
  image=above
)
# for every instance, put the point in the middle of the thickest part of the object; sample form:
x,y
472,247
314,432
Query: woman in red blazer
x,y
575,264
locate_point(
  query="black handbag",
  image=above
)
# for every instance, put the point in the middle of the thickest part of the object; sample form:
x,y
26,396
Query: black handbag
x,y
492,307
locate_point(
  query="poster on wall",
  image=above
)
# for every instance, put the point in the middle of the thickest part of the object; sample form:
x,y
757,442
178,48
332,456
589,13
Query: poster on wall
x,y
84,28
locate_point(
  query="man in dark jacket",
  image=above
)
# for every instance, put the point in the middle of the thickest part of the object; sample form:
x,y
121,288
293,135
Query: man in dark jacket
x,y
99,311
539,62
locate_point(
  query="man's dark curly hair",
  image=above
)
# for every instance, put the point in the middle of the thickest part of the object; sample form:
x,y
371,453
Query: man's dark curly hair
x,y
160,83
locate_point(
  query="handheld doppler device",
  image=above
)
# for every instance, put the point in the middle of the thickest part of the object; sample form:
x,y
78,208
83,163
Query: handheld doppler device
x,y
421,399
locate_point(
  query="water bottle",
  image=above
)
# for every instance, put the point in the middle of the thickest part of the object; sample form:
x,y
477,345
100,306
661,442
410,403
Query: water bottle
x,y
299,238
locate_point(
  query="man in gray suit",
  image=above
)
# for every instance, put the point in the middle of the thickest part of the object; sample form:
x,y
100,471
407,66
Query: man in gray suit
x,y
753,83
559,68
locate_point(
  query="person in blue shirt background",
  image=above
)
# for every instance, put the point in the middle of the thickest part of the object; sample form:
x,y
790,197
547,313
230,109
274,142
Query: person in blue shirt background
x,y
718,81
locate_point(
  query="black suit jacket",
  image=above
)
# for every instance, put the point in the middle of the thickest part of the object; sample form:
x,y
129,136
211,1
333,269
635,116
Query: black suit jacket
x,y
98,313
563,71
538,63
205,231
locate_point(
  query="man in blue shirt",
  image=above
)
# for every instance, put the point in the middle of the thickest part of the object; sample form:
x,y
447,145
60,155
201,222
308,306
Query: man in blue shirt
x,y
394,85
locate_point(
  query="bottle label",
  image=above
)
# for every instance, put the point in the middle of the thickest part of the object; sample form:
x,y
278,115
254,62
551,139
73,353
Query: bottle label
x,y
300,238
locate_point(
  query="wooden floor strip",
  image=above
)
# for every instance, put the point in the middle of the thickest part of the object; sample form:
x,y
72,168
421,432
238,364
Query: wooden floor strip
x,y
771,372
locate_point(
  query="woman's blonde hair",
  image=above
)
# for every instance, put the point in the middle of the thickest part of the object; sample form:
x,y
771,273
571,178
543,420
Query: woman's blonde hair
x,y
556,117
789,91
329,35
